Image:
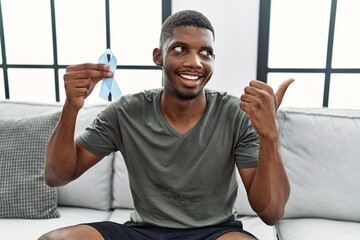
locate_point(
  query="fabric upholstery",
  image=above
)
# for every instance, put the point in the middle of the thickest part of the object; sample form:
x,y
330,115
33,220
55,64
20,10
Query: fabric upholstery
x,y
121,189
30,229
18,110
23,192
318,229
242,204
90,190
320,150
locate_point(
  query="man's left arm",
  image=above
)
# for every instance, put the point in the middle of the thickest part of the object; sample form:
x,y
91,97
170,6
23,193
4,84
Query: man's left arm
x,y
267,185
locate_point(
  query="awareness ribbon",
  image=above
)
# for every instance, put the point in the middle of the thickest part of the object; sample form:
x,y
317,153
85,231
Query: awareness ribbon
x,y
109,85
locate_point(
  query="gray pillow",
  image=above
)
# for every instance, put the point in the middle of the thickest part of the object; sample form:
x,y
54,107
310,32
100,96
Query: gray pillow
x,y
320,150
23,192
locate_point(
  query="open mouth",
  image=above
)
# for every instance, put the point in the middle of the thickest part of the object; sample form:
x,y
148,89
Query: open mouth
x,y
189,77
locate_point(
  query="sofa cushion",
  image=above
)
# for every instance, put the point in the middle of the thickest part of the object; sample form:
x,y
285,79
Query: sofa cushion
x,y
317,229
18,110
121,215
242,205
122,197
92,189
23,192
258,228
20,229
320,149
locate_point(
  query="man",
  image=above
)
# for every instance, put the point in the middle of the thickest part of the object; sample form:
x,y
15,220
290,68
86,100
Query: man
x,y
180,143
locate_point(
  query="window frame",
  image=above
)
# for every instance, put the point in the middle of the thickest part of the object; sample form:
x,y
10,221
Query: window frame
x,y
263,51
166,11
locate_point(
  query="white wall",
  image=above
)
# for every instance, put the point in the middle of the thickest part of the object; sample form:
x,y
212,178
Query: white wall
x,y
236,31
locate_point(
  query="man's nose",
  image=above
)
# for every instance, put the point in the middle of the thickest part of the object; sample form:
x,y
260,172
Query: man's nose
x,y
193,60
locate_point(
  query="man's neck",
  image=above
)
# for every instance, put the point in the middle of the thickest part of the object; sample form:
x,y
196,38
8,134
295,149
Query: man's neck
x,y
182,114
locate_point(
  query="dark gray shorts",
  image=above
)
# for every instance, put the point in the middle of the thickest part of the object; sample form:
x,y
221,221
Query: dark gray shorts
x,y
135,231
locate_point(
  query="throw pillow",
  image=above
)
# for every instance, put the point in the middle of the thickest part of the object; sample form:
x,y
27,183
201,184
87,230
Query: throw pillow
x,y
23,191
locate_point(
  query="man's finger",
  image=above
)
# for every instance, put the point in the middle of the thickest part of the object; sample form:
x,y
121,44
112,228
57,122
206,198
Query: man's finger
x,y
279,95
88,66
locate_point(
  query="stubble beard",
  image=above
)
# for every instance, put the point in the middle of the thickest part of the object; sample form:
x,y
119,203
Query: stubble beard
x,y
187,94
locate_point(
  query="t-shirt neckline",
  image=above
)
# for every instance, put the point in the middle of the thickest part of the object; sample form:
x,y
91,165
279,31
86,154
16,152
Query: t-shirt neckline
x,y
169,127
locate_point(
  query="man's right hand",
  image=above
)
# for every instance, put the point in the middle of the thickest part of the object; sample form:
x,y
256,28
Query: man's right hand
x,y
80,81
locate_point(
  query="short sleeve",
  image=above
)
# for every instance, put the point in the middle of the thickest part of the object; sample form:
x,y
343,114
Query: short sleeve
x,y
247,144
102,135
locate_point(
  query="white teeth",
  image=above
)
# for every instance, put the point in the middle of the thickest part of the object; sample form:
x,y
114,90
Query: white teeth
x,y
190,77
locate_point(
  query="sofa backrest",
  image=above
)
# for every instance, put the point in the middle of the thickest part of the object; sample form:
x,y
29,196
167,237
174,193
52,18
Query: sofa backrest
x,y
321,153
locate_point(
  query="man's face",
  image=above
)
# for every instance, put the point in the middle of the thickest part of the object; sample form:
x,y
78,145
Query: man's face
x,y
187,58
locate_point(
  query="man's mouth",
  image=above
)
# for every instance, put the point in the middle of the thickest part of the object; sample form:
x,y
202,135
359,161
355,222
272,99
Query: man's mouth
x,y
189,77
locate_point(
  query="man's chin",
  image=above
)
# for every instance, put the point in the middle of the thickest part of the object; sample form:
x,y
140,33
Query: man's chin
x,y
187,94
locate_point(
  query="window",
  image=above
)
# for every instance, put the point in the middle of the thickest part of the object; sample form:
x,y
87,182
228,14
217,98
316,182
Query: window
x,y
38,45
316,43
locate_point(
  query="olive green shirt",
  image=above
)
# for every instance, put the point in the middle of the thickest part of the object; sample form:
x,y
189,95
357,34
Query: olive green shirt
x,y
177,180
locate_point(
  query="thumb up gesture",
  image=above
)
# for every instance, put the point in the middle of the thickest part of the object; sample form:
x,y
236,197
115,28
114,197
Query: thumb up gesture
x,y
261,103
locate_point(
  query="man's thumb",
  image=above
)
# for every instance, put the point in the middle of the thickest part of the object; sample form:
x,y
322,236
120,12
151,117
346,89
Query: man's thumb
x,y
281,91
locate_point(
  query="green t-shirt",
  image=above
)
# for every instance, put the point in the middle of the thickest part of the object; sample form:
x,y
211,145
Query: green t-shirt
x,y
177,180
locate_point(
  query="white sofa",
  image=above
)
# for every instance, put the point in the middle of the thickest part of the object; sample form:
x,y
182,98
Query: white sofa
x,y
320,151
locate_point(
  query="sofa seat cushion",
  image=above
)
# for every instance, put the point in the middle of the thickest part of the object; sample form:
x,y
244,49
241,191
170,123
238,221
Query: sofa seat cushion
x,y
258,228
121,215
318,229
20,229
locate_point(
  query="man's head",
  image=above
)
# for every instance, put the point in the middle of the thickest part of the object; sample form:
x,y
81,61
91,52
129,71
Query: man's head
x,y
182,19
186,54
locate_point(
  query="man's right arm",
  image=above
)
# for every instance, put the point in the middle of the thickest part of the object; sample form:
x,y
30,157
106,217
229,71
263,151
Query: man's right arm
x,y
66,159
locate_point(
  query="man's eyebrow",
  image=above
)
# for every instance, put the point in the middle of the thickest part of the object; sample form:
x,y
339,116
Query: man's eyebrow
x,y
178,43
208,48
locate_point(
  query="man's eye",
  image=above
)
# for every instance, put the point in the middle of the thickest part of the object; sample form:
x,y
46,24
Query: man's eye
x,y
206,53
179,49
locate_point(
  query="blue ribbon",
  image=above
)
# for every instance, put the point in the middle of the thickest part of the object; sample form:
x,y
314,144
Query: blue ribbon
x,y
109,85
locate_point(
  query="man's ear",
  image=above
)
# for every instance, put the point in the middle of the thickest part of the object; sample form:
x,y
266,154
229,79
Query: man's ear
x,y
157,57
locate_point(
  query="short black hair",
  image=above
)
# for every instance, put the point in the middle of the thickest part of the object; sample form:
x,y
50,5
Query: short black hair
x,y
182,19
